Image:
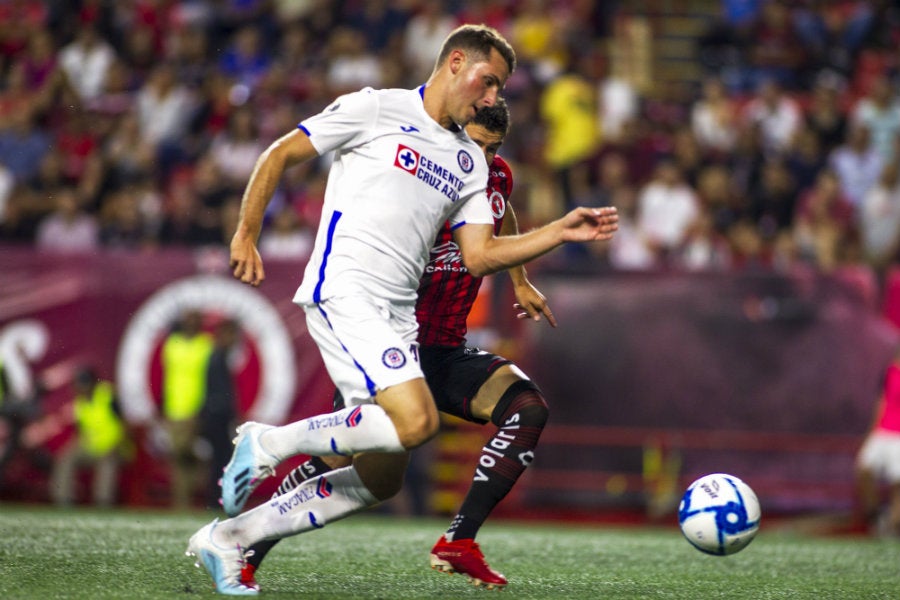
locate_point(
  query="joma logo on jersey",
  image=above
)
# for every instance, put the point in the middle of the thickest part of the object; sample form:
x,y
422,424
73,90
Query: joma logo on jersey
x,y
407,159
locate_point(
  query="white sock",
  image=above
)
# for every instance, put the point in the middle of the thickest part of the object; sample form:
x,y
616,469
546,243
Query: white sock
x,y
312,505
364,428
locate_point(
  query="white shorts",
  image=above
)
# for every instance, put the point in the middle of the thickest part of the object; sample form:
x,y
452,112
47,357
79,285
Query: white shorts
x,y
367,344
880,453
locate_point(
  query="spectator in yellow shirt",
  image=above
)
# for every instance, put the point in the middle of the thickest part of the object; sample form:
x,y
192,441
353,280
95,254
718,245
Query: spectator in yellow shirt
x,y
570,116
185,355
100,442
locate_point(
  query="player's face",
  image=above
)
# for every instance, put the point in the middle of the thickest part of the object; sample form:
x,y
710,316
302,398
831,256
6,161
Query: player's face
x,y
489,141
478,84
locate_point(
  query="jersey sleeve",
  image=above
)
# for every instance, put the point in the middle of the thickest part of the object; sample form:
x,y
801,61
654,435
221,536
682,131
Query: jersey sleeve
x,y
476,210
346,122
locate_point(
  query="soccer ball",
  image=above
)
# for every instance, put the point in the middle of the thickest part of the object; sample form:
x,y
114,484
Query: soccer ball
x,y
719,514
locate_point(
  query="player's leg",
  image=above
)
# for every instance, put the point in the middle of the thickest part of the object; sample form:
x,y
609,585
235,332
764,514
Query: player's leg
x,y
867,496
380,474
399,421
313,467
370,350
310,469
222,546
516,406
318,501
315,503
106,479
62,480
892,477
894,509
504,395
869,462
183,461
366,348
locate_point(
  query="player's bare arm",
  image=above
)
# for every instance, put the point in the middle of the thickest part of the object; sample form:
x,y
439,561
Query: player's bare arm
x,y
483,253
529,299
289,150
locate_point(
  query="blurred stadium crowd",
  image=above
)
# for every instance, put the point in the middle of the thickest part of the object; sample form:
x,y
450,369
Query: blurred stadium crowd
x,y
136,123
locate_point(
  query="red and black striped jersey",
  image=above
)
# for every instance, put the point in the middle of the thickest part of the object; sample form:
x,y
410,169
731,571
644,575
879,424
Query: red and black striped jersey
x,y
446,290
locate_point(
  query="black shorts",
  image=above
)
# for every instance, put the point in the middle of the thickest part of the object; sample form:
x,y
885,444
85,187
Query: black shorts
x,y
454,374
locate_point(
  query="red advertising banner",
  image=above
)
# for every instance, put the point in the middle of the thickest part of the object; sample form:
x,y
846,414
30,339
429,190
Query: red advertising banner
x,y
112,311
653,379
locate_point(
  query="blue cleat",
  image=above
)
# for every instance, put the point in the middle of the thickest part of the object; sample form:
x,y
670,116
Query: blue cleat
x,y
249,465
224,565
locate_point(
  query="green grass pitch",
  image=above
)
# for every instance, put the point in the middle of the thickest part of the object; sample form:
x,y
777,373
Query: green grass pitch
x,y
84,553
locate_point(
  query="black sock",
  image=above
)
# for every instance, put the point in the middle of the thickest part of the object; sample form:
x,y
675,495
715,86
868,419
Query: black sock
x,y
520,416
314,467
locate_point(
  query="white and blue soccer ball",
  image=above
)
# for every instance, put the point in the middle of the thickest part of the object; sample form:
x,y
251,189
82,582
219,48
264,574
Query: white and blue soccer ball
x,y
719,514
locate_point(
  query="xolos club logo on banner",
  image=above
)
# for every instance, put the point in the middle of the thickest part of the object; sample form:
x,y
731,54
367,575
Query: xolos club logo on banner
x,y
265,372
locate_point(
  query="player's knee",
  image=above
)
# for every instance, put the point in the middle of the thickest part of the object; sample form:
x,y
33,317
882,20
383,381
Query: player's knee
x,y
412,411
540,410
416,429
523,399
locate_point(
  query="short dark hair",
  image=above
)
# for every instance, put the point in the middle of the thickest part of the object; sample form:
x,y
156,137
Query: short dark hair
x,y
494,118
478,39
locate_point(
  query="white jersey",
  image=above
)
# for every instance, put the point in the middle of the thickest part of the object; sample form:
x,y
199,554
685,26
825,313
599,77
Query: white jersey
x,y
397,176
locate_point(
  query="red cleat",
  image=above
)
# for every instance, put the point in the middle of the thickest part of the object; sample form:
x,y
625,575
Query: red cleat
x,y
464,556
247,577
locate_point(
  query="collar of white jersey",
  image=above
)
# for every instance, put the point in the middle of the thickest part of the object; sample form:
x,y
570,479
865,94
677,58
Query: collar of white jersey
x,y
456,128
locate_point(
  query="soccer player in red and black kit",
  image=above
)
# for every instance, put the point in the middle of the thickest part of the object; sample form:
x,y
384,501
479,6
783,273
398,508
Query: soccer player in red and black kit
x,y
466,382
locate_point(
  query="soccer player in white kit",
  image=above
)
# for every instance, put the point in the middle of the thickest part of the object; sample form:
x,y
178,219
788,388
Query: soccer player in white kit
x,y
402,167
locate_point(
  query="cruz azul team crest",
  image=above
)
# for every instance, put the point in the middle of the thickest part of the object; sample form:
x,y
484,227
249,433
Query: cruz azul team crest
x,y
393,358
